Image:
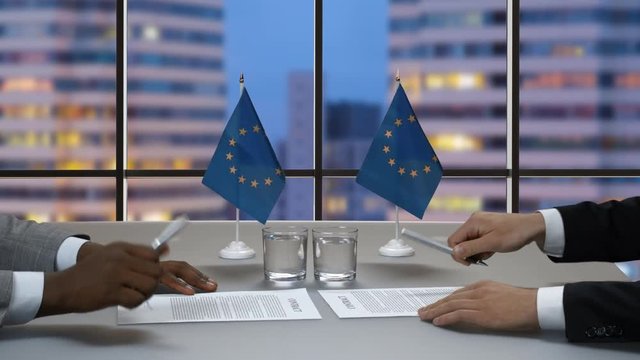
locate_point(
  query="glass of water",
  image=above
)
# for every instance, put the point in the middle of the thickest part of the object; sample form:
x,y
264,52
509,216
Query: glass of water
x,y
285,252
334,253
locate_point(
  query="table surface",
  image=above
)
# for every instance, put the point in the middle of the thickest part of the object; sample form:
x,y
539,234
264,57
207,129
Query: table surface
x,y
96,336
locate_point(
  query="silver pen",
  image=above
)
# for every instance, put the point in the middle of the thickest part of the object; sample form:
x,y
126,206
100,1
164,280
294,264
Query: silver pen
x,y
437,245
170,231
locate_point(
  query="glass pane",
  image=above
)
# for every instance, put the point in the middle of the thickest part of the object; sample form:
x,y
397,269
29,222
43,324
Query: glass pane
x,y
452,60
541,193
185,59
59,199
160,199
57,84
454,200
580,83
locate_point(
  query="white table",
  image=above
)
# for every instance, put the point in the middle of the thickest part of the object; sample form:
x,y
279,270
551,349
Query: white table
x,y
96,336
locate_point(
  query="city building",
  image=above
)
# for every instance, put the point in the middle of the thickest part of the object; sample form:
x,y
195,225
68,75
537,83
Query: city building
x,y
57,105
298,149
579,90
349,129
177,99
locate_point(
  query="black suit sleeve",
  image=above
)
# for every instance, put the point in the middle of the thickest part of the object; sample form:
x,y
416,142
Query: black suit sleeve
x,y
602,311
601,232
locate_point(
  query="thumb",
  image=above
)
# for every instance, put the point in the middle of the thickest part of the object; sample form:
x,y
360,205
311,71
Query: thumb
x,y
162,250
470,248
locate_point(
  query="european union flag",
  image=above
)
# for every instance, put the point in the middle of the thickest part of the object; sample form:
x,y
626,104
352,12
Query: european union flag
x,y
244,169
401,165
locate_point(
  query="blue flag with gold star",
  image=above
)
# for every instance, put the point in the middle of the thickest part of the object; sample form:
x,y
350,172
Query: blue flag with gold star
x,y
244,169
401,165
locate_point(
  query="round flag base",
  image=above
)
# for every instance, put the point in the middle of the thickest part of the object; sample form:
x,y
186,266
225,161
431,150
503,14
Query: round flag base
x,y
396,247
237,250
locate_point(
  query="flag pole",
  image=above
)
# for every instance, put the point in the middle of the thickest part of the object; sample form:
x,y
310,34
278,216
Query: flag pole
x,y
397,223
237,250
237,224
396,246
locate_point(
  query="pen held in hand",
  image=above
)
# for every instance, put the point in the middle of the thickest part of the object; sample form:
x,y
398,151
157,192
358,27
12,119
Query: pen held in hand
x,y
170,231
434,244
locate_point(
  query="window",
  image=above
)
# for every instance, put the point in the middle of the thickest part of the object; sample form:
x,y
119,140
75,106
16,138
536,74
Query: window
x,y
58,109
452,63
80,141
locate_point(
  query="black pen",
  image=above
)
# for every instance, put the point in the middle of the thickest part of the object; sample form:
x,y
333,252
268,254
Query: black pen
x,y
434,244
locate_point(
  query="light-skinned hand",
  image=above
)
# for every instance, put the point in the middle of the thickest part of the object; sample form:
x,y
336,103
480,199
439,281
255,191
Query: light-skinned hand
x,y
484,234
486,305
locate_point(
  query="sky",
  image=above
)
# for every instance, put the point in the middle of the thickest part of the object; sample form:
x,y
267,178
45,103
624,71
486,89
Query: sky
x,y
268,39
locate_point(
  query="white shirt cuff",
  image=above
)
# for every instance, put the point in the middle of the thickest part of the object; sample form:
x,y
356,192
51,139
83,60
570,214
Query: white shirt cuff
x,y
68,252
550,309
26,297
554,232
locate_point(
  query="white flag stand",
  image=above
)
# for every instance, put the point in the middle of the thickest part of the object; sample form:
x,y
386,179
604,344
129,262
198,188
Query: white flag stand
x,y
237,250
396,247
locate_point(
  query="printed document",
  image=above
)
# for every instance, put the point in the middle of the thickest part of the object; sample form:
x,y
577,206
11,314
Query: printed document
x,y
222,306
364,303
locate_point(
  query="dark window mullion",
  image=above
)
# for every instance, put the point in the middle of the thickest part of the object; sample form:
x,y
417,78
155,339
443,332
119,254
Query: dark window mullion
x,y
120,109
515,105
318,102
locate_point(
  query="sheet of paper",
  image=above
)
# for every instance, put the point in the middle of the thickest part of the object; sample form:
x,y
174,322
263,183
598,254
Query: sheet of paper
x,y
363,303
223,306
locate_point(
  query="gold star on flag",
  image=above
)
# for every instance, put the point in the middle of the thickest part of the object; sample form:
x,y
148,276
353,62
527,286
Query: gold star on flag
x,y
386,149
243,131
412,118
434,158
401,171
413,173
232,142
242,179
398,122
392,162
268,181
229,156
426,169
254,184
256,129
278,171
233,169
388,133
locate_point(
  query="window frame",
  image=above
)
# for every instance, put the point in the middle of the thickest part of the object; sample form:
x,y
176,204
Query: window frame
x,y
512,173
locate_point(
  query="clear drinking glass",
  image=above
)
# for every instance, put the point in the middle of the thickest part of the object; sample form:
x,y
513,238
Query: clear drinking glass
x,y
285,252
334,253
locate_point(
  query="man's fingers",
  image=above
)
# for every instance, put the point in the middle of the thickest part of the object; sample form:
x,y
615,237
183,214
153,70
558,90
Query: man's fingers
x,y
484,255
459,317
468,292
143,284
190,275
177,284
448,306
466,231
463,293
144,267
140,251
130,298
461,261
162,250
470,248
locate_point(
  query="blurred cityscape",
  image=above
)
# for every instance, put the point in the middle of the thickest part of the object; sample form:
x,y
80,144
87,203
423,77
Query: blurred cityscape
x,y
580,96
580,92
